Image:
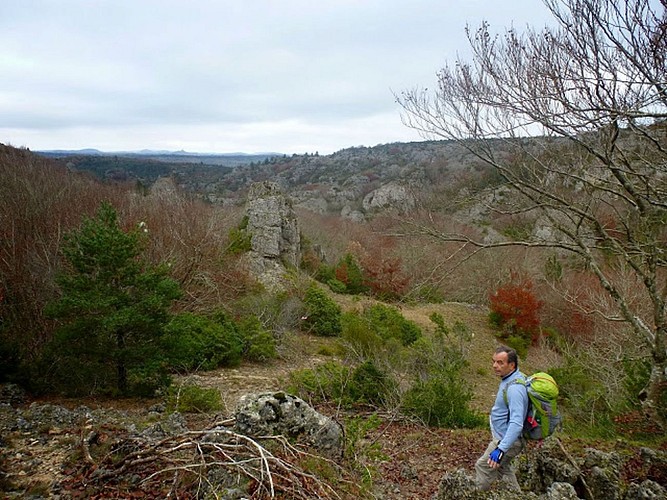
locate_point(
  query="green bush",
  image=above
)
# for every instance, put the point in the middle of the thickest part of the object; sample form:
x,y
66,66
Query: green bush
x,y
193,342
358,331
442,400
370,384
388,322
336,286
325,273
149,378
495,319
332,381
322,313
350,274
193,399
584,397
111,311
258,344
519,344
440,395
325,382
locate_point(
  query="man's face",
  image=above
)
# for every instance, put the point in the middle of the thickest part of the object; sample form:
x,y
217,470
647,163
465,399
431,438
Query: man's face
x,y
501,366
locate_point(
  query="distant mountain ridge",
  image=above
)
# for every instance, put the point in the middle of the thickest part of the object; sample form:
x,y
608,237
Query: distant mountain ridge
x,y
354,182
148,152
136,164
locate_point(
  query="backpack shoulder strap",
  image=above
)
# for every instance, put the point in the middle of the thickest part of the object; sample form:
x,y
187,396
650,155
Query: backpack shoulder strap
x,y
515,381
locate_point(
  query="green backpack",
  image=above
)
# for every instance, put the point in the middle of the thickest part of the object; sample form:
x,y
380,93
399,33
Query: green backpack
x,y
543,417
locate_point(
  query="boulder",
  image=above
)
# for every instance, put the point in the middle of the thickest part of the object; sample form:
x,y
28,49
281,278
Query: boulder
x,y
538,469
647,489
561,491
603,473
354,215
458,485
12,394
278,413
545,472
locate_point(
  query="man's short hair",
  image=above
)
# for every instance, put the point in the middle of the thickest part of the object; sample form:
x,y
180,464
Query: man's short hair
x,y
512,356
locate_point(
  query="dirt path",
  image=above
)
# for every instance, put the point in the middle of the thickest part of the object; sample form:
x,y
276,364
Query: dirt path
x,y
249,378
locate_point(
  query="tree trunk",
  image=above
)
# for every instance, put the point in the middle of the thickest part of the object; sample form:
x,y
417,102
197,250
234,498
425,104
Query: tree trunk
x,y
121,370
654,395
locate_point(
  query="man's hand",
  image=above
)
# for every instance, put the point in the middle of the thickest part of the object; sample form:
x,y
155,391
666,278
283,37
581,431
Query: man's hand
x,y
495,457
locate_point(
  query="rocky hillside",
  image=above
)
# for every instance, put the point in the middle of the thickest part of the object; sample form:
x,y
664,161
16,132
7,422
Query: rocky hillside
x,y
358,181
355,182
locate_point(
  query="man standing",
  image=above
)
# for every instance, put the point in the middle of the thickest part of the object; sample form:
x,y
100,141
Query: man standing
x,y
507,417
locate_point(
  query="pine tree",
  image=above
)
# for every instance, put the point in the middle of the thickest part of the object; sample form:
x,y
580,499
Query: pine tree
x,y
112,309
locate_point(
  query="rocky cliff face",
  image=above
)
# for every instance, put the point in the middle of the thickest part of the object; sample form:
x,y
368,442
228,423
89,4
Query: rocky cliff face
x,y
275,235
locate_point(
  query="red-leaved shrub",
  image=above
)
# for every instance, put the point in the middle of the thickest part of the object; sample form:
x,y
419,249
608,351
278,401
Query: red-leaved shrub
x,y
515,309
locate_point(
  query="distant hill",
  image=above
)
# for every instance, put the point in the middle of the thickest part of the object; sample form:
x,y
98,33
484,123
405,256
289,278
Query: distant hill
x,y
193,171
354,182
224,159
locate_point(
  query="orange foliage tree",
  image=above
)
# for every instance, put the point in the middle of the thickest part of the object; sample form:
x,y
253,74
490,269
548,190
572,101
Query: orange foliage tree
x,y
515,309
382,273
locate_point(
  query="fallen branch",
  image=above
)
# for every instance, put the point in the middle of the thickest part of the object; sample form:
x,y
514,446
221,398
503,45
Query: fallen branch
x,y
195,454
589,493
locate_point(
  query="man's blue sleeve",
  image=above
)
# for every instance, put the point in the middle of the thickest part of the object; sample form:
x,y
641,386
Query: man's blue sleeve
x,y
517,399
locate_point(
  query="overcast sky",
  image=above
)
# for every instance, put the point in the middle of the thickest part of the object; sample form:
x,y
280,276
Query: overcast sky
x,y
289,76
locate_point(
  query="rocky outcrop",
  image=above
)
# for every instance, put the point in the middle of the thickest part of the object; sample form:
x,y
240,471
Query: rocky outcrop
x,y
280,413
389,196
275,236
59,452
350,214
546,473
164,188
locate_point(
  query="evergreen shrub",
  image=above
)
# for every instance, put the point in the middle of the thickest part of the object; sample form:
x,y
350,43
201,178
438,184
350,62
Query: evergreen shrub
x,y
258,344
192,342
336,286
440,395
325,382
322,313
193,399
111,311
351,275
333,381
359,332
442,400
388,322
370,384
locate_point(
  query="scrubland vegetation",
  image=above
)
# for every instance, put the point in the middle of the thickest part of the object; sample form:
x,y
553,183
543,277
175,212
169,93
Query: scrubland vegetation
x,y
111,289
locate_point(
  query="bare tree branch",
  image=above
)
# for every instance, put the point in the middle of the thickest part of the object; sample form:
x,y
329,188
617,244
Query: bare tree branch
x,y
593,92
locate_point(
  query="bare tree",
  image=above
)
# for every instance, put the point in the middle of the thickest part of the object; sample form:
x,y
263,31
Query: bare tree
x,y
591,90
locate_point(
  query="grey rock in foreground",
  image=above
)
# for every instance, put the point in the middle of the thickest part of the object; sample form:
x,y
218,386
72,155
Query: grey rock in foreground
x,y
280,413
545,473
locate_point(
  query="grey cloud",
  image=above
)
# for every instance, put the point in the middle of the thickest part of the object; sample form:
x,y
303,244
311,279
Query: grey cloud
x,y
77,63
